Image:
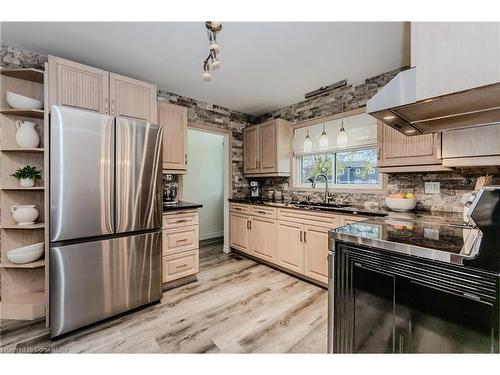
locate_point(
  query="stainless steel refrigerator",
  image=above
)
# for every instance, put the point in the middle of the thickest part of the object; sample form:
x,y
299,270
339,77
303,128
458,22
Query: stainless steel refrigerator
x,y
105,216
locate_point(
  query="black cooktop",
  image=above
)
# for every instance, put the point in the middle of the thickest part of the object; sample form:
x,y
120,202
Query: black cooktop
x,y
419,236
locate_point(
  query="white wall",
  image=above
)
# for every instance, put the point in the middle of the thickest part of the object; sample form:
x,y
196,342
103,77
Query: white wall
x,y
204,182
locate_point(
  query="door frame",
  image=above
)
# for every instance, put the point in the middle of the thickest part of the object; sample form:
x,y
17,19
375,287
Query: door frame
x,y
228,162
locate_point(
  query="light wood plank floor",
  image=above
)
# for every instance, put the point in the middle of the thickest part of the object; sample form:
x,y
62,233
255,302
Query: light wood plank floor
x,y
236,306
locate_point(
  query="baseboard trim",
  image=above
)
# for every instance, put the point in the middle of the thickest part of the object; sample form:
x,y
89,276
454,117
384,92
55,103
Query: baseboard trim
x,y
211,235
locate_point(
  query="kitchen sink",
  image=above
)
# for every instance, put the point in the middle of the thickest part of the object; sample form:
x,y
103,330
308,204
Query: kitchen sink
x,y
320,205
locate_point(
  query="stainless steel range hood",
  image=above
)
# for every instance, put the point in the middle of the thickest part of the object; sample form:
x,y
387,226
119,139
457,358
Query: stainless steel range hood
x,y
395,105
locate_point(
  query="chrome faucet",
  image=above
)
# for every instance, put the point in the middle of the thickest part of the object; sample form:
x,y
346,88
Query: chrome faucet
x,y
326,182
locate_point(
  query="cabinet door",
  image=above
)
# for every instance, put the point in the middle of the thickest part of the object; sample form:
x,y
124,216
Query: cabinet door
x,y
316,253
264,238
397,149
455,56
290,246
132,98
268,147
174,121
251,149
239,232
77,85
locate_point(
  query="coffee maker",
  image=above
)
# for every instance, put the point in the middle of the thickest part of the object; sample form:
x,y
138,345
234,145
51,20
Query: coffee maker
x,y
170,186
254,190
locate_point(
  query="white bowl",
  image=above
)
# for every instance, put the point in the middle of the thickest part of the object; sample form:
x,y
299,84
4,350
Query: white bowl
x,y
401,204
22,102
26,254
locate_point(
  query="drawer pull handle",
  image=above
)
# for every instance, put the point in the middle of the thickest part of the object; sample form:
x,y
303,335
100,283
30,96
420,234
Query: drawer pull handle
x,y
181,221
261,212
182,266
183,240
237,208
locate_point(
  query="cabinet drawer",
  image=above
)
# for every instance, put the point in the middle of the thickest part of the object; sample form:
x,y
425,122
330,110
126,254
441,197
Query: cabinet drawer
x,y
311,218
176,240
270,212
178,219
241,208
179,265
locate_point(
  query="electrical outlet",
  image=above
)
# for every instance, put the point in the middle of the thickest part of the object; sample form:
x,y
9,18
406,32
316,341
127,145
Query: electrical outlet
x,y
432,187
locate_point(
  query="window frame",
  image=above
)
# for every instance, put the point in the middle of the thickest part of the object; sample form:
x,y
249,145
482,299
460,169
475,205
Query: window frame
x,y
297,185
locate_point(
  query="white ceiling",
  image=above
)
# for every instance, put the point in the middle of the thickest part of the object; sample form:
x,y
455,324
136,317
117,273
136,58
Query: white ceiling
x,y
265,66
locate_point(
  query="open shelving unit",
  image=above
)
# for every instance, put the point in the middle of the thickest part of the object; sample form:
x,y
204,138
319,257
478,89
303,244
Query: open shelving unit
x,y
23,286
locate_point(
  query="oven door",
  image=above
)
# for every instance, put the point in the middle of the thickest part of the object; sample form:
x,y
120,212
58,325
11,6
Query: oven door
x,y
394,304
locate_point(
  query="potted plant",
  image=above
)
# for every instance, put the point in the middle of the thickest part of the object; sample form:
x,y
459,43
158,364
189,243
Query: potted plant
x,y
27,175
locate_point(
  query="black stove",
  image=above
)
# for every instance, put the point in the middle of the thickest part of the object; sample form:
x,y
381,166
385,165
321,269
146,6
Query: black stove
x,y
417,284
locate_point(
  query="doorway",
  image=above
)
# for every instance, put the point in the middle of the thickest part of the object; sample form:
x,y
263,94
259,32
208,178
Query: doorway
x,y
208,180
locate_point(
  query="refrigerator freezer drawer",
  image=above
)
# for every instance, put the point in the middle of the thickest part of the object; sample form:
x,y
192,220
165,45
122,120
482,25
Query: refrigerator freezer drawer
x,y
95,280
81,174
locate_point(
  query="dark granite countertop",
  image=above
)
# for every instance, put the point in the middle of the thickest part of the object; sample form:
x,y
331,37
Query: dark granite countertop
x,y
442,238
348,210
181,205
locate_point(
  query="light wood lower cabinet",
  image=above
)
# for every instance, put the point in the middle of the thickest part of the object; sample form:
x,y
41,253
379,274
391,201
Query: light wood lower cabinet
x,y
239,232
316,253
296,240
290,247
180,250
264,241
180,265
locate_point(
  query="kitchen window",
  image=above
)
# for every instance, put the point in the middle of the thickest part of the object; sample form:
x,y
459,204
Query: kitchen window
x,y
352,166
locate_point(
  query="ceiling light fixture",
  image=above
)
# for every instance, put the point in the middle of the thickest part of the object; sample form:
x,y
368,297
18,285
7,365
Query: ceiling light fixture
x,y
212,62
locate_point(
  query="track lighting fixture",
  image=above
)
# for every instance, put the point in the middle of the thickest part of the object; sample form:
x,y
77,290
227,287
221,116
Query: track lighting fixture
x,y
212,61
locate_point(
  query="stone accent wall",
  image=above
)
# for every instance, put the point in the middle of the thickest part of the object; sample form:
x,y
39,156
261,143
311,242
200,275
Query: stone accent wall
x,y
331,103
12,57
198,111
455,185
218,117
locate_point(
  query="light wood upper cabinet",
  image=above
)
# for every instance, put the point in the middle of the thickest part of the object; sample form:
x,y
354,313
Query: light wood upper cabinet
x,y
472,147
239,232
290,246
174,121
132,98
77,85
251,149
264,238
455,56
397,149
268,149
316,253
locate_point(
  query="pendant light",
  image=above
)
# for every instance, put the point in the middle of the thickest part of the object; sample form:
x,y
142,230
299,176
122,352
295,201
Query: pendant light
x,y
308,143
342,139
342,136
323,140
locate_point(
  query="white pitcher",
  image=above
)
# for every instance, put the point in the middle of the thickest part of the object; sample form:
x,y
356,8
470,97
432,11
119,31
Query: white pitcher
x,y
26,134
25,214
